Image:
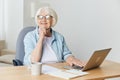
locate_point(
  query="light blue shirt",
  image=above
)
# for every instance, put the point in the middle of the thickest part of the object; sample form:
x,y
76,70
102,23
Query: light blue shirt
x,y
58,45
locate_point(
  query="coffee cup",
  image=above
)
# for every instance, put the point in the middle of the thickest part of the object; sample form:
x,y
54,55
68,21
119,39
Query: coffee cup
x,y
36,68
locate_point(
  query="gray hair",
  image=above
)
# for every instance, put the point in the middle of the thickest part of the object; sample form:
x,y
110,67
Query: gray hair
x,y
49,11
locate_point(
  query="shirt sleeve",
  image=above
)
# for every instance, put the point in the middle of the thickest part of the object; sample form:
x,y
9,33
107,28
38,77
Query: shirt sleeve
x,y
29,45
66,51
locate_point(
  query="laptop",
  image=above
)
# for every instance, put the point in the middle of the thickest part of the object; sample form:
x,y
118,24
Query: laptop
x,y
95,60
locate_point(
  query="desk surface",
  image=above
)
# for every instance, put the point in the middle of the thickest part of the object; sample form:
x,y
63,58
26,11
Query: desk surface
x,y
108,69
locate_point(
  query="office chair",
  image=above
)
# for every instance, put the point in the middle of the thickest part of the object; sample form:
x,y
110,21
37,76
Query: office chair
x,y
18,61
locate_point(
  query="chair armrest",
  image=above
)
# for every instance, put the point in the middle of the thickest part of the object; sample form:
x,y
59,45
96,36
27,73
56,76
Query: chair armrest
x,y
17,62
6,51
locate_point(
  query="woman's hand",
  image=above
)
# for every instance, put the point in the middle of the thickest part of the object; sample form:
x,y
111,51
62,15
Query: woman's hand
x,y
71,60
42,32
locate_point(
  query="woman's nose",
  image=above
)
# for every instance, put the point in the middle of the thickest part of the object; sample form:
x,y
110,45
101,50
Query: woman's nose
x,y
43,19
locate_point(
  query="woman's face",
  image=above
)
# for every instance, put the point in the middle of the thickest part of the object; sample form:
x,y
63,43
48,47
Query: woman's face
x,y
44,20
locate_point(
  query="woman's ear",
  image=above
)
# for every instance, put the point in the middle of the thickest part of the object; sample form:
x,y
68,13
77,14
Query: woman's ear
x,y
53,22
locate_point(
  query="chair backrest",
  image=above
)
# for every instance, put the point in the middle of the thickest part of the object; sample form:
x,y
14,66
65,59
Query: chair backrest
x,y
20,45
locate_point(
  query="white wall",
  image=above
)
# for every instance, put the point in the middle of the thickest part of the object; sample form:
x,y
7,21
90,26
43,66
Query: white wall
x,y
14,21
88,25
28,20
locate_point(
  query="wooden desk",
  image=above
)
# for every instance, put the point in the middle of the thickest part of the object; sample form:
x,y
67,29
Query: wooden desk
x,y
108,69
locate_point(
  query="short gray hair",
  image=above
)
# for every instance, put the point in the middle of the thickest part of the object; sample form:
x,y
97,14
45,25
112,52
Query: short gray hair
x,y
50,11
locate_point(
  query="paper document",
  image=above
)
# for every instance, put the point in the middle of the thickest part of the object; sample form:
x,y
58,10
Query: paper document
x,y
77,72
67,74
48,69
63,74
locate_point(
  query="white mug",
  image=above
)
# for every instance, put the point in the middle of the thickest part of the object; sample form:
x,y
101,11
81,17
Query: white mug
x,y
36,68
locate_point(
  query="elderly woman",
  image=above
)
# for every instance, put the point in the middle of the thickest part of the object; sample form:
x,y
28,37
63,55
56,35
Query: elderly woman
x,y
46,45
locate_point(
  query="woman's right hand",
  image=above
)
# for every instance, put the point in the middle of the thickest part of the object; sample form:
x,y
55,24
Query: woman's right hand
x,y
42,32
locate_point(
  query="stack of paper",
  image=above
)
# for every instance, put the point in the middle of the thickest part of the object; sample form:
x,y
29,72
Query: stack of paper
x,y
68,74
63,74
77,72
48,69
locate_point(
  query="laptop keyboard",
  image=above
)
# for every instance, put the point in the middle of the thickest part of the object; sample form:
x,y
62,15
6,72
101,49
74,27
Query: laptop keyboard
x,y
77,67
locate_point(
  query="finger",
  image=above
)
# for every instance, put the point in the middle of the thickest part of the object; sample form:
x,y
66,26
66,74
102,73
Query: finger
x,y
43,30
79,63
